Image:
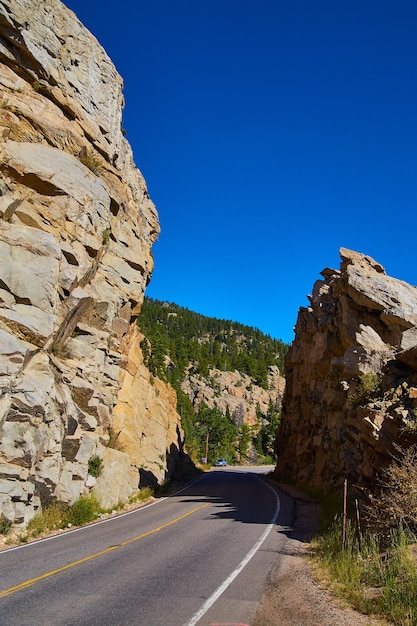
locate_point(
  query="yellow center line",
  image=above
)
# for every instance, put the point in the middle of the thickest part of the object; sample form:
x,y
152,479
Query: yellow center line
x,y
32,581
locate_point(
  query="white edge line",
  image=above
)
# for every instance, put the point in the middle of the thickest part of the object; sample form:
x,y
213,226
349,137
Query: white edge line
x,y
103,521
228,581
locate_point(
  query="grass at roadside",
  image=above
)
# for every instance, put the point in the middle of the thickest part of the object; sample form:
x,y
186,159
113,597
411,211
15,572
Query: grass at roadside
x,y
375,582
377,572
58,517
376,576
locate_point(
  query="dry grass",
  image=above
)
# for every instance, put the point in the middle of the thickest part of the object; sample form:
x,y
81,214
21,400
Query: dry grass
x,y
395,506
378,574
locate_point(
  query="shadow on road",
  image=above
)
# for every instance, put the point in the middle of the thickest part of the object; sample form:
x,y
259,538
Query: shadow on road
x,y
247,496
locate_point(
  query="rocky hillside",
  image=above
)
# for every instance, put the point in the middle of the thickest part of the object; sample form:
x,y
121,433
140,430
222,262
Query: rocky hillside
x,y
236,393
228,368
219,363
76,230
351,377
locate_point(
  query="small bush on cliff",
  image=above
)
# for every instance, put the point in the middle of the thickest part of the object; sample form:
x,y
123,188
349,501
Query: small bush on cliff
x,y
142,495
5,525
88,158
105,235
37,85
411,423
95,465
49,519
87,509
57,515
113,441
368,388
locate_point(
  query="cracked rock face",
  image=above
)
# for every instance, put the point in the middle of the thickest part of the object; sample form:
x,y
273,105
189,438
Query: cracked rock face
x,y
351,377
76,230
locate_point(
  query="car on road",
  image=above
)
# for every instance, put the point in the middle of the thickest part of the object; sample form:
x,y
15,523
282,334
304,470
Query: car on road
x,y
221,462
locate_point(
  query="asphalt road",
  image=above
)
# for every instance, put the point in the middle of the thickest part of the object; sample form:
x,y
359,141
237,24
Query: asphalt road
x,y
200,556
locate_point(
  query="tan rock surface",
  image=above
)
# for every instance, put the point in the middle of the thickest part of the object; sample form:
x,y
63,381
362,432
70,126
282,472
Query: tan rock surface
x,y
76,230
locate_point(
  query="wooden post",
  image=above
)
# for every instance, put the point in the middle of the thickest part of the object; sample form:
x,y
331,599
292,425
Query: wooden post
x,y
358,525
344,513
207,438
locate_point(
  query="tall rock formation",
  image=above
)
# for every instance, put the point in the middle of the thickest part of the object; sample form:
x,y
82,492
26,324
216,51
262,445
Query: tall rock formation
x,y
351,377
76,230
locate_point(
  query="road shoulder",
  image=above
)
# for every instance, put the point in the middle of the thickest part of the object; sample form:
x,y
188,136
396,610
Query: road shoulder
x,y
292,596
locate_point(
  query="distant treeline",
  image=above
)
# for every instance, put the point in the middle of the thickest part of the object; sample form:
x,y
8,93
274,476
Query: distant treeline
x,y
189,338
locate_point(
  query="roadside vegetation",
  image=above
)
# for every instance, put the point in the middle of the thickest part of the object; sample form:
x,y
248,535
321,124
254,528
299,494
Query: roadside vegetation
x,y
371,559
58,516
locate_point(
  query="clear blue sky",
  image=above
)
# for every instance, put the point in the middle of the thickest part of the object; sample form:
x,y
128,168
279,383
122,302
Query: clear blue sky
x,y
270,134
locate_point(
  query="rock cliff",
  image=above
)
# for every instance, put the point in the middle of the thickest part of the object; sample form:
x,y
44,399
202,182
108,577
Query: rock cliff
x,y
236,392
76,230
351,377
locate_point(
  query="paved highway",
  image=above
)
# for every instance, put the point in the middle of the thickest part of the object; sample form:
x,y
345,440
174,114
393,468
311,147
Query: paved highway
x,y
200,556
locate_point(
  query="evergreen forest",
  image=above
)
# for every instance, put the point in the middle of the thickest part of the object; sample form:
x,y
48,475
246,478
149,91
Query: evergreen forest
x,y
178,343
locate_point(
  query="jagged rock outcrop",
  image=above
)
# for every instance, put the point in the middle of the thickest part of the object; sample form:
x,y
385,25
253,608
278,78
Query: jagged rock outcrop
x,y
351,377
236,392
76,230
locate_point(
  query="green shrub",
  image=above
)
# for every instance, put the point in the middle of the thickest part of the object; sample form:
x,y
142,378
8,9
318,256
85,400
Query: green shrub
x,y
37,85
5,525
398,599
53,515
368,388
85,509
88,158
105,235
265,459
51,518
141,496
37,525
56,515
95,465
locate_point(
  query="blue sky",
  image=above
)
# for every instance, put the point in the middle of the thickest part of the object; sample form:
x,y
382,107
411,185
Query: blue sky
x,y
270,134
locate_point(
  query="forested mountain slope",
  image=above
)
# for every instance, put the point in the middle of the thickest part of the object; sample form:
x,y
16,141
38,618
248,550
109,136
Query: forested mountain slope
x,y
227,377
